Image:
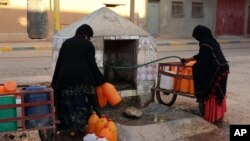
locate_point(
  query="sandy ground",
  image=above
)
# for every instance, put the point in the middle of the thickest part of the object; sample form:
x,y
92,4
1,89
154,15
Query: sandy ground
x,y
36,68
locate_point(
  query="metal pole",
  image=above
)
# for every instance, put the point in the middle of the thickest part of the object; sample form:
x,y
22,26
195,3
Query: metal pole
x,y
57,25
132,10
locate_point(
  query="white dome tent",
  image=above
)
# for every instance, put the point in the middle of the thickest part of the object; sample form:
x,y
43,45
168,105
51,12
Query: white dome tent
x,y
118,42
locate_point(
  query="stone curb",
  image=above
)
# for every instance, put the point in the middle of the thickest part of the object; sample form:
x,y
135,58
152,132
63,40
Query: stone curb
x,y
178,43
9,49
159,43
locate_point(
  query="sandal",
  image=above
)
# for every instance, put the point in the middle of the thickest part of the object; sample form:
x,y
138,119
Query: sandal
x,y
72,133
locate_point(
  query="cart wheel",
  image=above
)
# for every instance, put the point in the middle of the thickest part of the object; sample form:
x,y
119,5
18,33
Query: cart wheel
x,y
166,98
47,134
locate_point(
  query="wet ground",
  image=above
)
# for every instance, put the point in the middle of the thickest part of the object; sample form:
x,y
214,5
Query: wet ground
x,y
154,115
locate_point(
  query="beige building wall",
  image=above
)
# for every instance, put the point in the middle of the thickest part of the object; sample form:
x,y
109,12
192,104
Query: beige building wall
x,y
13,16
183,26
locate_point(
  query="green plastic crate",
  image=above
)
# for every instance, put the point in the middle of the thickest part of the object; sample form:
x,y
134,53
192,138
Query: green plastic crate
x,y
8,113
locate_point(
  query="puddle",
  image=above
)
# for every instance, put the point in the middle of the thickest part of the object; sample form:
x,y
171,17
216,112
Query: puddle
x,y
153,114
144,120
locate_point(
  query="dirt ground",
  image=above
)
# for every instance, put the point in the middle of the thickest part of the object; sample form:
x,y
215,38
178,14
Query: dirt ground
x,y
238,95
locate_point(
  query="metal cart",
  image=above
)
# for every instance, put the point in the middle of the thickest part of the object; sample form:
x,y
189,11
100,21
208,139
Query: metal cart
x,y
46,133
168,96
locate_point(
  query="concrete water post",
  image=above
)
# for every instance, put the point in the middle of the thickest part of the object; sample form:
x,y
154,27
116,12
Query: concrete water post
x,y
37,19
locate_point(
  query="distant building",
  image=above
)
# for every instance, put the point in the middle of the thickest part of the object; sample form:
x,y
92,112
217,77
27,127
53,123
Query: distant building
x,y
232,17
171,18
177,18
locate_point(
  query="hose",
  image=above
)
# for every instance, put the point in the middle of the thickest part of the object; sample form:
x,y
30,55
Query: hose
x,y
137,66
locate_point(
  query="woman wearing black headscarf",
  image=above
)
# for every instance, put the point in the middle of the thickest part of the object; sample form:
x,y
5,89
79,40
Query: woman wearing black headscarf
x,y
210,75
75,77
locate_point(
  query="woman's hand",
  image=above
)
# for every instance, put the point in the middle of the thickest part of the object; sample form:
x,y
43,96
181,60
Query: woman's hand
x,y
183,60
186,60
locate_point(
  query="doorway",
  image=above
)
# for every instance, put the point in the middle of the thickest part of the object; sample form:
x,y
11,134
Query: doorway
x,y
248,22
153,17
230,17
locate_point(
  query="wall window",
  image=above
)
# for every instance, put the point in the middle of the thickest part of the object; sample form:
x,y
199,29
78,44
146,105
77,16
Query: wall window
x,y
197,10
4,2
177,9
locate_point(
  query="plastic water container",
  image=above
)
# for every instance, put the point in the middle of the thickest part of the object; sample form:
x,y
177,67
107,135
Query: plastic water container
x,y
167,82
92,121
111,93
19,111
37,110
90,137
8,113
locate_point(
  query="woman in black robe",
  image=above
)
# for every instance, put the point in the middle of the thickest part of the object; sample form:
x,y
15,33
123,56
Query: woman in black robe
x,y
210,75
74,81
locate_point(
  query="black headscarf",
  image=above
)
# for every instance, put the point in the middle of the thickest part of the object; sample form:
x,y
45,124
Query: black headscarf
x,y
202,33
84,31
211,65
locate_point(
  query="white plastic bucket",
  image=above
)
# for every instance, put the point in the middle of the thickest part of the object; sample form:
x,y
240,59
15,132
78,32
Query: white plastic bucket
x,y
167,82
90,137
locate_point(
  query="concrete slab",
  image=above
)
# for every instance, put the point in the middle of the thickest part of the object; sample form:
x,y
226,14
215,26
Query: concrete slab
x,y
162,123
165,131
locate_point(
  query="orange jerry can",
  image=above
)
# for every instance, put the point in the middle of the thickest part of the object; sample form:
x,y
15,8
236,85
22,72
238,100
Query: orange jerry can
x,y
92,122
191,87
191,83
10,86
102,99
111,93
184,84
105,133
178,80
113,129
2,91
100,124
